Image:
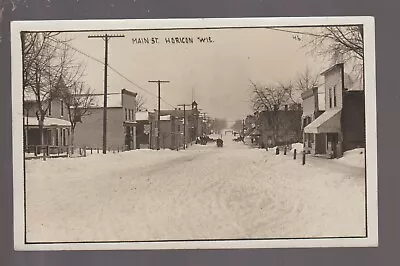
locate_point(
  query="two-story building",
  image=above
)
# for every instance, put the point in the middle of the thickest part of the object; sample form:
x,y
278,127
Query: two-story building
x,y
193,121
311,111
342,125
121,122
56,125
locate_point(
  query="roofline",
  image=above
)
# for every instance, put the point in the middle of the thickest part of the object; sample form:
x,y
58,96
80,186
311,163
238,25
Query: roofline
x,y
131,93
309,93
99,107
332,68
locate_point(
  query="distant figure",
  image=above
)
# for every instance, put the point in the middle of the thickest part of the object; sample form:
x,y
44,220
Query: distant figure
x,y
220,142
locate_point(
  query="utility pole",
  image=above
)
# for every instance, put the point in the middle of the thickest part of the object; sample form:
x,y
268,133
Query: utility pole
x,y
159,108
106,38
184,123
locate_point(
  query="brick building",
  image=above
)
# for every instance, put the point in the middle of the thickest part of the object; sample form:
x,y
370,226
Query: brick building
x,y
193,121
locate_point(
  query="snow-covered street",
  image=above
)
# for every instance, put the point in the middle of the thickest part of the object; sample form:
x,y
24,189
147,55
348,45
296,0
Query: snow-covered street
x,y
203,192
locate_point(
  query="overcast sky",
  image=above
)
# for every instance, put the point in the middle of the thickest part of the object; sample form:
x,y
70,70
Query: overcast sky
x,y
218,72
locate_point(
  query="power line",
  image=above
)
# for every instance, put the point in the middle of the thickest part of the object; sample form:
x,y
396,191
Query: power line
x,y
112,68
106,38
159,108
295,32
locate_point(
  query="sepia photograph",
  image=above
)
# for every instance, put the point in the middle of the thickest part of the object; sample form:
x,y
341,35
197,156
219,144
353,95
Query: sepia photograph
x,y
194,133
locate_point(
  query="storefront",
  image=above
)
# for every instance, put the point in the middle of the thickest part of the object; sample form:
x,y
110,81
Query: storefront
x,y
323,136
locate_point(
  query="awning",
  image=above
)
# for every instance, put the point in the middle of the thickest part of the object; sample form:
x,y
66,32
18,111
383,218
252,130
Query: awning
x,y
327,122
48,122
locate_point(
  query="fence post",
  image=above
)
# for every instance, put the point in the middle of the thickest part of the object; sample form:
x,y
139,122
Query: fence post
x,y
97,149
84,151
91,150
277,151
80,151
304,157
284,150
36,153
294,154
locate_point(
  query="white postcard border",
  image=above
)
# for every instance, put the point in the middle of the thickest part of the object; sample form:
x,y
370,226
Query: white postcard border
x,y
115,25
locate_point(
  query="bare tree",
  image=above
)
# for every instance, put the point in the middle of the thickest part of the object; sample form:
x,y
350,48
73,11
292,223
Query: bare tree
x,y
304,81
49,71
78,99
269,100
341,44
140,102
42,72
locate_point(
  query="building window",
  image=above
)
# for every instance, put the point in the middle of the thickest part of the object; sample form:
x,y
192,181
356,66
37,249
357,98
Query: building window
x,y
49,108
334,97
126,114
62,108
330,98
64,137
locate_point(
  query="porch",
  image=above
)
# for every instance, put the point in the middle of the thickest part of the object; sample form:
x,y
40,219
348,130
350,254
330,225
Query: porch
x,y
56,134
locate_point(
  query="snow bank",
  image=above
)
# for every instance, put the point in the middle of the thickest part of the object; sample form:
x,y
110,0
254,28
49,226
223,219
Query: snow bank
x,y
354,157
297,146
203,192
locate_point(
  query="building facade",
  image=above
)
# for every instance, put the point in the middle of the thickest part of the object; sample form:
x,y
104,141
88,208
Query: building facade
x,y
171,132
279,127
121,122
192,120
311,111
342,125
56,125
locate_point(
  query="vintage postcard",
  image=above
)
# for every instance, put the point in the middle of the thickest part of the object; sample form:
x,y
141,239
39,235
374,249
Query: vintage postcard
x,y
194,133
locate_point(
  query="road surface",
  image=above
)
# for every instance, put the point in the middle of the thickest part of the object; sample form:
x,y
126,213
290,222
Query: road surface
x,y
203,192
